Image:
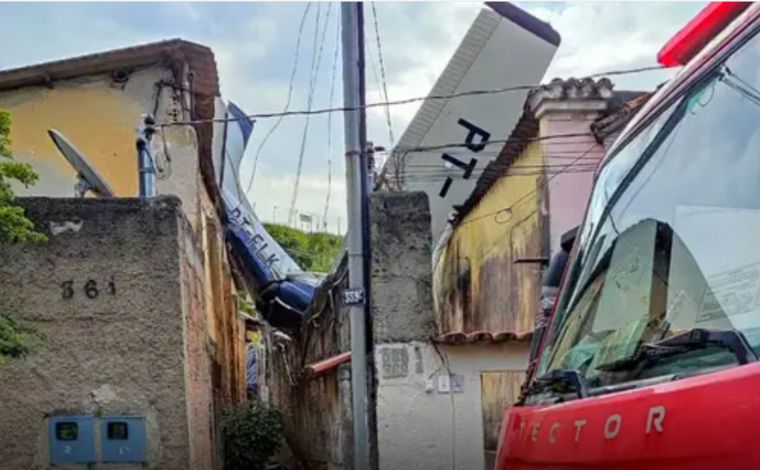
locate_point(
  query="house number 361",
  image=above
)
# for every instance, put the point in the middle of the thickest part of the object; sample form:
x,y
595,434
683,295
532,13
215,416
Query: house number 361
x,y
90,288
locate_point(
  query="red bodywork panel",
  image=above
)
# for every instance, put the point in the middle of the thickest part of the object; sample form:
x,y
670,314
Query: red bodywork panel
x,y
705,422
711,421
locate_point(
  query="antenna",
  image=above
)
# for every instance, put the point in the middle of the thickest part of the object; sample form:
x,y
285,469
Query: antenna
x,y
88,179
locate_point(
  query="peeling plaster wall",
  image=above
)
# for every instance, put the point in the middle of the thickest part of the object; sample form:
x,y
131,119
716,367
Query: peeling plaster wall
x,y
477,284
137,348
401,279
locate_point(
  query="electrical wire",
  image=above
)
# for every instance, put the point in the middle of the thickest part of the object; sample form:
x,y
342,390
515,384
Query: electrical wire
x,y
627,71
329,124
428,148
316,61
382,76
526,195
400,102
287,100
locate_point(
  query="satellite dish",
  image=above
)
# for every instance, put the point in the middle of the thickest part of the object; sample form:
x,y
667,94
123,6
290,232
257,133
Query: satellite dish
x,y
88,178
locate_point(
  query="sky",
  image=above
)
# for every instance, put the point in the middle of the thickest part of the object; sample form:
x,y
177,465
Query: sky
x,y
255,50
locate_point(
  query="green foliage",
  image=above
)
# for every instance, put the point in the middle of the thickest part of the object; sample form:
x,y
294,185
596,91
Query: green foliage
x,y
245,305
253,433
14,226
314,252
15,341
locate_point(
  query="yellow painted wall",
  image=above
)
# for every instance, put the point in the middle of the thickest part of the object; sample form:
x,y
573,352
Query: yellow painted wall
x,y
100,118
96,115
477,286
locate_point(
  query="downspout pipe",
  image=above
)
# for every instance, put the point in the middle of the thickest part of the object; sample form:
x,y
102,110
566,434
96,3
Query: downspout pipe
x,y
145,167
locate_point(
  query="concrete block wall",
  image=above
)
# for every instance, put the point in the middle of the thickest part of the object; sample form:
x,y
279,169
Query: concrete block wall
x,y
113,297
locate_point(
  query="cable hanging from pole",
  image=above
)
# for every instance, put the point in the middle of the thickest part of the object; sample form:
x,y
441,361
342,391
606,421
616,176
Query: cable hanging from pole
x,y
382,75
287,100
316,61
527,195
400,102
329,125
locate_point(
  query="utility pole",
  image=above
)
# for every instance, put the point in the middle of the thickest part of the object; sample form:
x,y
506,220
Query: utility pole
x,y
355,297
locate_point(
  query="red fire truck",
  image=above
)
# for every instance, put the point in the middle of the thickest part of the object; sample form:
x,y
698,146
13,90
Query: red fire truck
x,y
651,356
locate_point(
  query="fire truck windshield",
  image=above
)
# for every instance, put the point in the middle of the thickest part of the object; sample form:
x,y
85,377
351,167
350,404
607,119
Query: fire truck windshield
x,y
671,241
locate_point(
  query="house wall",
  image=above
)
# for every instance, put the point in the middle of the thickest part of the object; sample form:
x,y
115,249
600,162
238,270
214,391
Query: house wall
x,y
137,348
419,424
99,116
477,284
416,428
422,427
569,191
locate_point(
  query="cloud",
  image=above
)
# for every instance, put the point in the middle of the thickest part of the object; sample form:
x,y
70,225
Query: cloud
x,y
254,46
598,37
311,197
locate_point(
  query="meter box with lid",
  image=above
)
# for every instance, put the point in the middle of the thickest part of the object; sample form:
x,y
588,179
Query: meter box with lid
x,y
72,439
122,439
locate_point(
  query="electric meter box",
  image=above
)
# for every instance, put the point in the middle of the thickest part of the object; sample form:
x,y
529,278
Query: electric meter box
x,y
72,439
122,439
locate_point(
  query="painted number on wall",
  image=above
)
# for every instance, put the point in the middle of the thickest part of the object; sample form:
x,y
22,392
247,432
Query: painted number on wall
x,y
90,288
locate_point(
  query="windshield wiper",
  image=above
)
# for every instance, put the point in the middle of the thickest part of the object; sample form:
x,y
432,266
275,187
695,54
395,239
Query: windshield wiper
x,y
560,381
692,340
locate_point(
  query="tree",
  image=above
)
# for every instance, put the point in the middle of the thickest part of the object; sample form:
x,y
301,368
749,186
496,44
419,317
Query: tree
x,y
315,252
14,226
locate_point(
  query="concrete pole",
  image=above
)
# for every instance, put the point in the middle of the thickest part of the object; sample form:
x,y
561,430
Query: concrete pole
x,y
354,297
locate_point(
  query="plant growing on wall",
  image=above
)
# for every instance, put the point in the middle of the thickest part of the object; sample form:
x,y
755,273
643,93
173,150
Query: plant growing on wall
x,y
14,226
15,341
253,433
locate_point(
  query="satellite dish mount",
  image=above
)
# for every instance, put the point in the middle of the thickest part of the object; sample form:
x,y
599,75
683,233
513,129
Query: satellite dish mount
x,y
88,179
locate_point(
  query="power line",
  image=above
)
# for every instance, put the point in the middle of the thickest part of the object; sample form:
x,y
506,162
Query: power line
x,y
528,194
329,123
534,172
287,101
627,71
382,75
395,102
316,60
428,148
